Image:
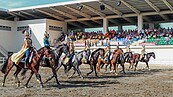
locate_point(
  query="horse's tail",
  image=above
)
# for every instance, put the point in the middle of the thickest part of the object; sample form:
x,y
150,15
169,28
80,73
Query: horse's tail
x,y
4,66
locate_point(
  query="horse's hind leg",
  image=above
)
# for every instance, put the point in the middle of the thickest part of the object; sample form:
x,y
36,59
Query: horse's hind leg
x,y
136,65
6,73
123,69
16,76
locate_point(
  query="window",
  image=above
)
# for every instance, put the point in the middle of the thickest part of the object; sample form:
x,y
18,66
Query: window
x,y
22,28
55,28
6,28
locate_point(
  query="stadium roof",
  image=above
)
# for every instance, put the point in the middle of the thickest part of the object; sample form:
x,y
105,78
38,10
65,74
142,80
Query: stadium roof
x,y
90,15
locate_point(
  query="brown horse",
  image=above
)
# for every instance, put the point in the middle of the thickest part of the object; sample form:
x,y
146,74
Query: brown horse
x,y
136,59
94,60
33,66
102,61
118,58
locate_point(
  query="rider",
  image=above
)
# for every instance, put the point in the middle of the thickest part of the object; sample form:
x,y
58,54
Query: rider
x,y
107,53
71,48
24,51
46,40
117,47
128,50
142,52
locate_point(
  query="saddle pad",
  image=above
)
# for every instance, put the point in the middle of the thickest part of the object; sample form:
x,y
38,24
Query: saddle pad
x,y
111,56
74,57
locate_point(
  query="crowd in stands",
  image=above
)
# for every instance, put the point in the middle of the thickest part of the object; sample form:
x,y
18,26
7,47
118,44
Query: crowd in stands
x,y
159,36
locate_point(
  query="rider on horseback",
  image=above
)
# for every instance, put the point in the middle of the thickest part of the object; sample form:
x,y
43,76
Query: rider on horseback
x,y
28,44
142,52
46,40
128,50
117,47
107,53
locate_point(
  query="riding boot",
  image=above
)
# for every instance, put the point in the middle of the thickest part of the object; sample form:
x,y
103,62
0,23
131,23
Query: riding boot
x,y
25,67
26,61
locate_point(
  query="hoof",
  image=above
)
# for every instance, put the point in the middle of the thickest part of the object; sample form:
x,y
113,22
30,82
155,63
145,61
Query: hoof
x,y
18,84
26,86
3,84
41,86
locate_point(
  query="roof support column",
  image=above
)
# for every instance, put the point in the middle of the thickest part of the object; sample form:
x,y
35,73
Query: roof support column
x,y
120,28
105,25
140,22
151,25
16,18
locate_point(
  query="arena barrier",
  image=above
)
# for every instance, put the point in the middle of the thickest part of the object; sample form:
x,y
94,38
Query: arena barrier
x,y
163,53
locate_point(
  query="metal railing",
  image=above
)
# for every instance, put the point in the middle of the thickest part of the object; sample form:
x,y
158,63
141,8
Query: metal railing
x,y
3,51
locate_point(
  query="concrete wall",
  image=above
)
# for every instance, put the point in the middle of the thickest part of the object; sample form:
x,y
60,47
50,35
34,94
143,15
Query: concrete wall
x,y
9,39
12,40
164,54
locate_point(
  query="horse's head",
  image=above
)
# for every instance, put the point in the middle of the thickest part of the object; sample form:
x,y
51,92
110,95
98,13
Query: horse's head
x,y
85,55
128,55
151,54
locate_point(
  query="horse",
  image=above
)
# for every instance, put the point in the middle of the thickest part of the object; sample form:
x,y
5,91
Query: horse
x,y
101,62
82,57
98,53
146,58
118,58
33,66
57,54
128,58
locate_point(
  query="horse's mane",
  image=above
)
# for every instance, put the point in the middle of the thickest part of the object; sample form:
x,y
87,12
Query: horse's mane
x,y
97,51
40,49
59,45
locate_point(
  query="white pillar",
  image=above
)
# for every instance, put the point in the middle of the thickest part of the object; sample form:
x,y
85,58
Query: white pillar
x,y
120,28
140,23
16,18
105,25
151,25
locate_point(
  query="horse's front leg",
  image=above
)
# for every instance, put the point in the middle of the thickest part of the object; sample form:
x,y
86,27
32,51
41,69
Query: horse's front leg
x,y
55,75
56,69
6,73
30,76
147,66
16,75
95,70
76,66
38,76
91,67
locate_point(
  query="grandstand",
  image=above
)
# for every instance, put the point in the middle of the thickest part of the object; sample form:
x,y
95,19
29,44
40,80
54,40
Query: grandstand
x,y
66,16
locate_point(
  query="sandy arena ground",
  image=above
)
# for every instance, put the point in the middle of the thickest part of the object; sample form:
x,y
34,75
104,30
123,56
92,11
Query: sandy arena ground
x,y
158,82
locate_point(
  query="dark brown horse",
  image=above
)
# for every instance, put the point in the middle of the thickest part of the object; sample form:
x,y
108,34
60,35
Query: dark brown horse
x,y
94,59
102,61
33,66
57,52
136,59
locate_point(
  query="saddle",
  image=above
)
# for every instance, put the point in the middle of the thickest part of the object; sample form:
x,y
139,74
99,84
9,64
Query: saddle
x,y
29,58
